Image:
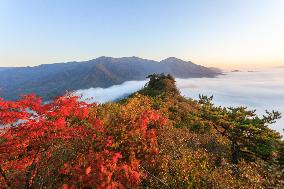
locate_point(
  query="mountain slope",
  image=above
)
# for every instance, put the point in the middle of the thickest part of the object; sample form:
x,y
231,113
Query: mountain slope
x,y
55,79
154,138
5,68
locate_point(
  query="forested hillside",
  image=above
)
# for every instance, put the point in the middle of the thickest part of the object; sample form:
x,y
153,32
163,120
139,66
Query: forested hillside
x,y
51,80
155,138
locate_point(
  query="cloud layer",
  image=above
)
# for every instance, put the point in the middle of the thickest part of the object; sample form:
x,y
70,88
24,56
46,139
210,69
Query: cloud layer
x,y
102,95
261,90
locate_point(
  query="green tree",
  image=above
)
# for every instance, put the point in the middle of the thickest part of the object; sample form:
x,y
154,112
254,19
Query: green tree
x,y
248,133
160,84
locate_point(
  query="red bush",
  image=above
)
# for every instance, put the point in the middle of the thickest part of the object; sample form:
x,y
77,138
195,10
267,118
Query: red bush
x,y
63,144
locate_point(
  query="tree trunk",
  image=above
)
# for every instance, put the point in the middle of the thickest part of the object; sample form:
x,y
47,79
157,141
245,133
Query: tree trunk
x,y
235,158
235,153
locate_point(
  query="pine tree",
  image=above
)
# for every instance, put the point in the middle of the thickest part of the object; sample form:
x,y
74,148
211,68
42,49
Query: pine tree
x,y
248,133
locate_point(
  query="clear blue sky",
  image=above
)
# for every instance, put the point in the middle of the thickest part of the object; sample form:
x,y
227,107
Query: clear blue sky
x,y
222,33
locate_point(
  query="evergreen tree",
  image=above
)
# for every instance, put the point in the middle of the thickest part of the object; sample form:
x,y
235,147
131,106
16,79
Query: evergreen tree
x,y
160,84
248,133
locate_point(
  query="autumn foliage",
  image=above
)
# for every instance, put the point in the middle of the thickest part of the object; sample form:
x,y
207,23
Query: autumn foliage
x,y
153,139
64,144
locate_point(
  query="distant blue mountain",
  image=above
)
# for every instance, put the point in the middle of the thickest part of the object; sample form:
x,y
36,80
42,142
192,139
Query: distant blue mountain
x,y
5,68
50,80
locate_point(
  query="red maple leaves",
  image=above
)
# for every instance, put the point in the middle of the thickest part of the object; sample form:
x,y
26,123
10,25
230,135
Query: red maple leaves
x,y
63,144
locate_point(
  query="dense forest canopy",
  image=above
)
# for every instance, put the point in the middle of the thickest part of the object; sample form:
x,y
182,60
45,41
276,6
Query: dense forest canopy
x,y
154,138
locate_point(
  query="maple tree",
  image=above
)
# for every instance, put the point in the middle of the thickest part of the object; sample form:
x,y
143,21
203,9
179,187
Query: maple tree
x,y
64,144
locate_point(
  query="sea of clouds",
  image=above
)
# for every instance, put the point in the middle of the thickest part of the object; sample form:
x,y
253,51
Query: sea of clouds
x,y
261,90
115,92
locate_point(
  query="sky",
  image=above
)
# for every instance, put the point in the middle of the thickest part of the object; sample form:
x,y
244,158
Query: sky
x,y
217,33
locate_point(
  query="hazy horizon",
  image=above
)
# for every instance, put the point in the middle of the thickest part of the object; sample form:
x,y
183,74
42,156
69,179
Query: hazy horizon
x,y
223,68
232,34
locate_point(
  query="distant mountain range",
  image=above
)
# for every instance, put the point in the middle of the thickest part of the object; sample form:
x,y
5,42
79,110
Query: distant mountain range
x,y
51,80
4,68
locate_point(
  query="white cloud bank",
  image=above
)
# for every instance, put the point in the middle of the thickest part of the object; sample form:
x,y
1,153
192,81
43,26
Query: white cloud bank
x,y
102,95
259,90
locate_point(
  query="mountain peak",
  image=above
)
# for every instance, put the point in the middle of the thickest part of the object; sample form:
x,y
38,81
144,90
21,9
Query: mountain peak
x,y
100,72
171,60
107,59
103,58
